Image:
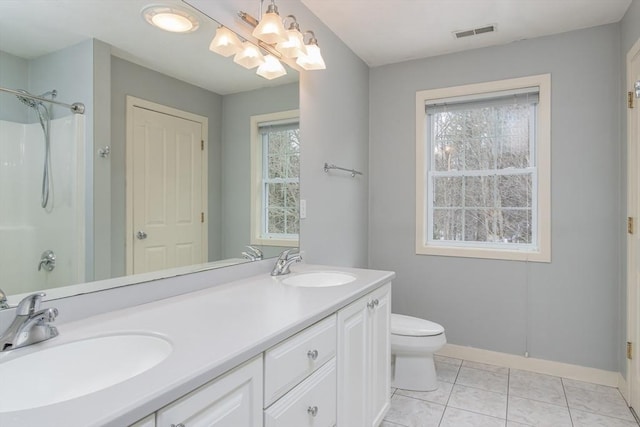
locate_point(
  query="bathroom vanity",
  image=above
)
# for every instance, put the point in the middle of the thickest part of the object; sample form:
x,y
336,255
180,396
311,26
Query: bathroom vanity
x,y
310,348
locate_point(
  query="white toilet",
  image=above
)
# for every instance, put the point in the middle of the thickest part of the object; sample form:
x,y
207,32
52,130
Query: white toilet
x,y
413,342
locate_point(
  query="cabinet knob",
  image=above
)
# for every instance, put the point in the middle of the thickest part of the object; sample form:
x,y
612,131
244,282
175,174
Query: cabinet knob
x,y
312,410
376,302
371,305
312,354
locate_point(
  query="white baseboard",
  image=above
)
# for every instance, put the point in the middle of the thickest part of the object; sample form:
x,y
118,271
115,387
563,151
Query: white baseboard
x,y
559,369
623,386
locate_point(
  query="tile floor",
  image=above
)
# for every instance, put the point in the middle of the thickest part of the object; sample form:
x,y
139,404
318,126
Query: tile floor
x,y
477,395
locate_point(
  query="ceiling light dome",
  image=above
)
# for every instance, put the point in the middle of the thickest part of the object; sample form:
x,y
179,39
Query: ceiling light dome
x,y
170,18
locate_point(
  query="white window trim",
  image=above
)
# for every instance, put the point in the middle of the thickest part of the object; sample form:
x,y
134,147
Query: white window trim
x,y
543,162
257,205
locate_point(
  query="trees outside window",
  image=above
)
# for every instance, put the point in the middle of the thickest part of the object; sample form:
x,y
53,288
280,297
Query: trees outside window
x,y
483,169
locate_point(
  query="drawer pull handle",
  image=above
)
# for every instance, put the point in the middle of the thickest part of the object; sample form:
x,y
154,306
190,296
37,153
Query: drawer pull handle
x,y
312,410
312,354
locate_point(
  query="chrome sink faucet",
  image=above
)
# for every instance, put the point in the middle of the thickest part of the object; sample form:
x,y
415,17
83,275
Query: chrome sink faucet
x,y
284,261
31,325
252,254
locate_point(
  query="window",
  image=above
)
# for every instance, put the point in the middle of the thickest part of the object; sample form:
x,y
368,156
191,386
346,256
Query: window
x,y
276,179
483,168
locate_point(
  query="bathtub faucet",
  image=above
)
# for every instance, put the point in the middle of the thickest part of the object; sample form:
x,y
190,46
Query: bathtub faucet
x,y
31,325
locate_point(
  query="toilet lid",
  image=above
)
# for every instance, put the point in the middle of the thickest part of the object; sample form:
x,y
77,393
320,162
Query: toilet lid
x,y
412,326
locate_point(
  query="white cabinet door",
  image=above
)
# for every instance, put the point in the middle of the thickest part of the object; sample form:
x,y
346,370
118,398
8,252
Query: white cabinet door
x,y
352,369
380,321
364,353
234,400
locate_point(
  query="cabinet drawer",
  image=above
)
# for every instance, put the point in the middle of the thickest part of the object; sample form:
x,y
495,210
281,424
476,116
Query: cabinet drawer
x,y
312,403
291,361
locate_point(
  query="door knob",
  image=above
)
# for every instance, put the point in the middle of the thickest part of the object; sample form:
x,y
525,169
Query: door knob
x,y
141,235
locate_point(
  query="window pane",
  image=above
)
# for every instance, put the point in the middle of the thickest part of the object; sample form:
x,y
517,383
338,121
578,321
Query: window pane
x,y
276,194
479,191
515,191
275,221
447,191
478,225
517,226
447,224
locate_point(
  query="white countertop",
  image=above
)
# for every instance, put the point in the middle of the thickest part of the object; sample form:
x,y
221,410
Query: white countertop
x,y
211,332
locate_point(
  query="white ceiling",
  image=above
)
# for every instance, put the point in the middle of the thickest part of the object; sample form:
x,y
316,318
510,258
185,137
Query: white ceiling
x,y
379,31
388,31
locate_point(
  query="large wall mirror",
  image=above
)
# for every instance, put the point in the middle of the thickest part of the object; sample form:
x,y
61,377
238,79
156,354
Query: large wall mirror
x,y
128,73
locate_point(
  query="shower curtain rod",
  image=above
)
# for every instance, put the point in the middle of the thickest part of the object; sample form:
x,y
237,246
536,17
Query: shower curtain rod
x,y
76,107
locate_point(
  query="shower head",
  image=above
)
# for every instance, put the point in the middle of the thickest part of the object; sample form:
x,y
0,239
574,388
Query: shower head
x,y
26,101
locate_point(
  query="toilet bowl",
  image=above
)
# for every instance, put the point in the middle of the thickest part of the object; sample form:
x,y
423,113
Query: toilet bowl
x,y
413,342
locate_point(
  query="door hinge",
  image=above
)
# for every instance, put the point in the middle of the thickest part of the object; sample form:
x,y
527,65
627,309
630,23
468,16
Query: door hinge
x,y
630,225
629,350
202,217
202,145
630,99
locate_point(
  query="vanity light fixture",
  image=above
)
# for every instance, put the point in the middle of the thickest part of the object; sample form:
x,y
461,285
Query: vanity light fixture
x,y
170,18
294,45
226,42
250,56
313,59
273,39
271,68
271,29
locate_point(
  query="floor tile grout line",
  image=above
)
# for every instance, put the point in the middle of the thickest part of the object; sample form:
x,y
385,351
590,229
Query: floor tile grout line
x,y
564,390
506,411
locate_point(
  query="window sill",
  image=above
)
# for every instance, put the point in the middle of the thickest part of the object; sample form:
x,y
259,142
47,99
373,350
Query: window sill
x,y
498,254
275,242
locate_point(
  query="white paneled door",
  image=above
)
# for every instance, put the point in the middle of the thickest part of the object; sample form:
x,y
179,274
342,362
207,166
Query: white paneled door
x,y
166,180
633,240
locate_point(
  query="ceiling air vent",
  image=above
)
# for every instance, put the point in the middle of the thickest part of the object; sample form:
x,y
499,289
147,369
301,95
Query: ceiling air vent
x,y
475,31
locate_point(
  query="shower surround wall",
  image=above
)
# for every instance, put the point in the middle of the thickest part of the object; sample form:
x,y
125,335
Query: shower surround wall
x,y
26,229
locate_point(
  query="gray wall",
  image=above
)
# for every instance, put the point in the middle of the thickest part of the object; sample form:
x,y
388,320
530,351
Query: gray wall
x,y
13,75
566,310
131,79
237,110
334,113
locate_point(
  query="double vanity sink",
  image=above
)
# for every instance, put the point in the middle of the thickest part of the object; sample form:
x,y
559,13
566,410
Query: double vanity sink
x,y
115,368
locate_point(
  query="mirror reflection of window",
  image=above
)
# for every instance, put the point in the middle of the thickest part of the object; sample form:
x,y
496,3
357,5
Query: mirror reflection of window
x,y
276,190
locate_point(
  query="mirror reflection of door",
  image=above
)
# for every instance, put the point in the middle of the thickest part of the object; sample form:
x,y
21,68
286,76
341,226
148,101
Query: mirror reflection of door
x,y
166,188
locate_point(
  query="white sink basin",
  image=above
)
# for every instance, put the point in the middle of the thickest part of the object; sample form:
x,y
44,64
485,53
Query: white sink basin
x,y
71,370
319,279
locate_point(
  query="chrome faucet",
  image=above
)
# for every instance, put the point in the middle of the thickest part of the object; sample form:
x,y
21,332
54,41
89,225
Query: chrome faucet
x,y
3,300
31,325
284,261
252,253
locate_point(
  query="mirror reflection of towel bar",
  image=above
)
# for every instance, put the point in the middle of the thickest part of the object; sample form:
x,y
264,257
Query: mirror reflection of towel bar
x,y
353,172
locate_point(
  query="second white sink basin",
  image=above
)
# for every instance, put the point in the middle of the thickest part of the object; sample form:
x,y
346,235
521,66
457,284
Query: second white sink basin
x,y
319,279
71,370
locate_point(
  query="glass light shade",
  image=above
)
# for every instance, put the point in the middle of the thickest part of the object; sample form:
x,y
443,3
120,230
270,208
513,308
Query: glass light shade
x,y
270,29
225,43
312,60
294,46
249,57
271,69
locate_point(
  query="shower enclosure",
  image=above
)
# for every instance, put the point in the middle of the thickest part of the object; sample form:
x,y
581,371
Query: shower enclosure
x,y
42,195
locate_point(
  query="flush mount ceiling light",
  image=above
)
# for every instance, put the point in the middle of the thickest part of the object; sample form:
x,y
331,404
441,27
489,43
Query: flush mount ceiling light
x,y
170,18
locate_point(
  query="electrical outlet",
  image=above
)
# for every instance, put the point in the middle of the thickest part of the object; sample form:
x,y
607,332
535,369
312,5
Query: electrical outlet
x,y
303,208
